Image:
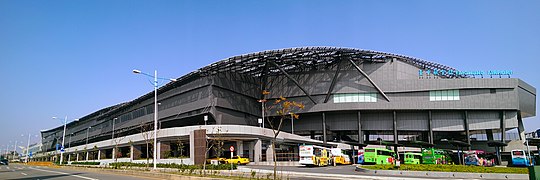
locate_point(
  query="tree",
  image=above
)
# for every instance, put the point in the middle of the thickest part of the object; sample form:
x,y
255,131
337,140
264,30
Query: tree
x,y
148,136
215,142
180,147
282,109
116,140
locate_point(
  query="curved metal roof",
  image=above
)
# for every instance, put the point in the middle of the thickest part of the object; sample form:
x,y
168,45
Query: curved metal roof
x,y
302,58
289,59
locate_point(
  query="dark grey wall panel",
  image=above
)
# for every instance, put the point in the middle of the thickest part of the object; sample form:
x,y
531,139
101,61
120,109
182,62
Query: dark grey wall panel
x,y
227,116
484,120
342,121
307,122
377,121
527,102
412,121
511,119
448,121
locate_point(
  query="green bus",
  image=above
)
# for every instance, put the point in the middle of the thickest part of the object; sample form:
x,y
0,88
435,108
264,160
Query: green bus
x,y
378,156
434,156
410,158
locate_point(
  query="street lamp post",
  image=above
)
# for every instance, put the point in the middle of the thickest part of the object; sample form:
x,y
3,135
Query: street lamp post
x,y
113,121
87,135
69,143
28,150
63,140
155,83
262,101
292,123
14,150
86,146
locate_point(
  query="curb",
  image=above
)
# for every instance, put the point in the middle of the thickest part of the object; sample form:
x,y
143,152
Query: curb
x,y
434,174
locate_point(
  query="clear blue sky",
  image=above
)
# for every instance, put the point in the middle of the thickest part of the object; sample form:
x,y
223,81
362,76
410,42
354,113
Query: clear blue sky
x,y
72,58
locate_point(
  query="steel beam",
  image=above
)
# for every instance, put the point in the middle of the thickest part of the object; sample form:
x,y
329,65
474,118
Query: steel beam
x,y
294,81
333,82
324,127
369,79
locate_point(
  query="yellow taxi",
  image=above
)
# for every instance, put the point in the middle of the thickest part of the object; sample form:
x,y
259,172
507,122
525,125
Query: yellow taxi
x,y
237,160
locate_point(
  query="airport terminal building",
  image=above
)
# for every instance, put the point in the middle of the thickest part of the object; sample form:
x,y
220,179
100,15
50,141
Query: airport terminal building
x,y
351,96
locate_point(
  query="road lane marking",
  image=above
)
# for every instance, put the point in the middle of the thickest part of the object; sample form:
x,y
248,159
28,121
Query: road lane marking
x,y
24,174
82,177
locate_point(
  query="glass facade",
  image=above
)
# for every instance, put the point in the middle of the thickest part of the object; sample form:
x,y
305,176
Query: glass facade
x,y
355,97
444,95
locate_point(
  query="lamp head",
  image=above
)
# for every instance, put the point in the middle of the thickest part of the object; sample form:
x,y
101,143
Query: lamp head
x,y
172,80
136,71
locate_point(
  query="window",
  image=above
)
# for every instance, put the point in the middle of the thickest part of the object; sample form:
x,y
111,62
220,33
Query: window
x,y
355,97
492,91
444,95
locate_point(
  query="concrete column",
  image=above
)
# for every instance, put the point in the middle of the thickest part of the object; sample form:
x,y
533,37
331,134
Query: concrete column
x,y
269,154
323,127
69,157
251,149
521,128
77,157
131,152
395,127
197,146
258,151
430,126
191,146
503,126
99,154
360,133
240,148
466,126
87,154
113,155
489,134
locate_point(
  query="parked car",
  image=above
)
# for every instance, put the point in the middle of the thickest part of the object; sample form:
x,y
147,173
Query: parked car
x,y
237,160
4,162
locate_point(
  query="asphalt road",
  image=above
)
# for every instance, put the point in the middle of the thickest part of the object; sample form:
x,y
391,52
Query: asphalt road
x,y
21,171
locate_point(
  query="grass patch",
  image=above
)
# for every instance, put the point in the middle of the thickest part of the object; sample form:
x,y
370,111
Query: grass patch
x,y
450,168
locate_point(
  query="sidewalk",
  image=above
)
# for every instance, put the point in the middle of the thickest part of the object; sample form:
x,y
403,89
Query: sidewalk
x,y
434,174
326,175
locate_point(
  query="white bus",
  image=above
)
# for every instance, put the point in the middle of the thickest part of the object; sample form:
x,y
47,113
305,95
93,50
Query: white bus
x,y
311,155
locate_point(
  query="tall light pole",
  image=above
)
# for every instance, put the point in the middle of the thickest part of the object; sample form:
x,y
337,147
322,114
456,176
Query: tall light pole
x,y
87,136
7,150
292,123
262,101
63,140
14,150
155,83
28,150
69,143
113,121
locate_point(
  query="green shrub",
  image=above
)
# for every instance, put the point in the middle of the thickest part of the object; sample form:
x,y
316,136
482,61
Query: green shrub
x,y
117,165
450,168
86,163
